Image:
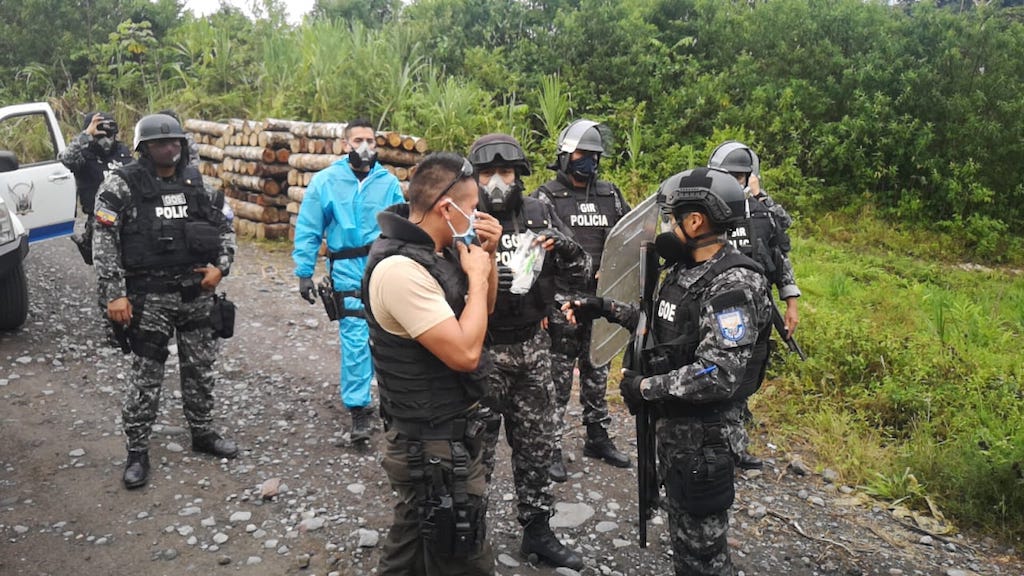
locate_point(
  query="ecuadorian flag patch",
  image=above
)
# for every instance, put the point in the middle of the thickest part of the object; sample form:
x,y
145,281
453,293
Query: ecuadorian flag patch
x,y
105,218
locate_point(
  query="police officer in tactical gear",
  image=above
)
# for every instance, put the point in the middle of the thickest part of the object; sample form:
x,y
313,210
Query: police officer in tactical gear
x,y
707,351
429,286
520,385
161,248
761,236
90,156
590,207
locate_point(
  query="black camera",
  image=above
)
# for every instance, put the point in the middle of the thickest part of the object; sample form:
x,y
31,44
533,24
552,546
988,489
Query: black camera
x,y
109,127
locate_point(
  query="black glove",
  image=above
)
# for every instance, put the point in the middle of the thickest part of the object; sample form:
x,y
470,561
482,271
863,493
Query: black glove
x,y
586,309
504,278
565,248
629,387
306,290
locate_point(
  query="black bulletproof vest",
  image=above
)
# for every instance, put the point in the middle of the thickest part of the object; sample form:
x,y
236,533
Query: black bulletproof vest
x,y
758,238
676,330
590,215
415,385
174,226
89,178
515,311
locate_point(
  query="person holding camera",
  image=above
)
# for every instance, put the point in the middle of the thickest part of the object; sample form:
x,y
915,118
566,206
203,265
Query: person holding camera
x,y
341,205
161,249
90,156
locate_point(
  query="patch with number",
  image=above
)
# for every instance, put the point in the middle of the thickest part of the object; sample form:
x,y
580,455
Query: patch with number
x,y
105,217
732,325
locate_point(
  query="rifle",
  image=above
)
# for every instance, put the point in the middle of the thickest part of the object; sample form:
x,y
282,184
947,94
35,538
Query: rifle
x,y
780,327
646,419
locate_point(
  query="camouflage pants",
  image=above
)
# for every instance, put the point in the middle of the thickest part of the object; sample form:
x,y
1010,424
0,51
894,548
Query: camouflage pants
x,y
157,317
699,544
520,389
575,348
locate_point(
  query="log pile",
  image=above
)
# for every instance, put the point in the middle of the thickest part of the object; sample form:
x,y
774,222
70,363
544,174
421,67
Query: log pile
x,y
264,167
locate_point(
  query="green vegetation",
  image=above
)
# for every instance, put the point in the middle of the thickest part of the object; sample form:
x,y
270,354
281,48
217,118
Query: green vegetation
x,y
894,132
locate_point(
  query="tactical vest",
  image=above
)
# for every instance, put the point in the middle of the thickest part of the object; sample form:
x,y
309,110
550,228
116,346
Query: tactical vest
x,y
590,215
516,311
675,334
89,178
415,385
758,239
175,225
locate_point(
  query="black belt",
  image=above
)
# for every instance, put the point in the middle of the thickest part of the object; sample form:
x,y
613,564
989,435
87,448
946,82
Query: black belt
x,y
454,429
513,335
348,253
679,409
157,285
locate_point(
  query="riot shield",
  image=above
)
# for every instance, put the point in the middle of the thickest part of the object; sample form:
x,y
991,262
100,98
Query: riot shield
x,y
620,275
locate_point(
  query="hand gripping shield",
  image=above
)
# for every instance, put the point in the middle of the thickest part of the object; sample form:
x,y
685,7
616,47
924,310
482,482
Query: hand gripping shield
x,y
620,275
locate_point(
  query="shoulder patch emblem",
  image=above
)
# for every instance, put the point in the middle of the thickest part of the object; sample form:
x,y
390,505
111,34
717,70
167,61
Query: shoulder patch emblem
x,y
105,218
731,325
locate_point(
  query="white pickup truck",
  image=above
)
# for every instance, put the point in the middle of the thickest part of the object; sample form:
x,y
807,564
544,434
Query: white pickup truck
x,y
37,198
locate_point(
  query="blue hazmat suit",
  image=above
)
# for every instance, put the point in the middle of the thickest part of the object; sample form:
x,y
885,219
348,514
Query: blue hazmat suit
x,y
340,207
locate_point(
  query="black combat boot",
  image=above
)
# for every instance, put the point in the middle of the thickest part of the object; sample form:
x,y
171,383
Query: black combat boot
x,y
748,461
361,426
211,443
136,469
557,471
540,544
599,445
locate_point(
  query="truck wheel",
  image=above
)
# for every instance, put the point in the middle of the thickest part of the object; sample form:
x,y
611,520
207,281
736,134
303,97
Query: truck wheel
x,y
13,298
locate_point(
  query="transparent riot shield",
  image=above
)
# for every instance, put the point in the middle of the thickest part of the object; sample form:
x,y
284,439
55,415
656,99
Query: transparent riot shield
x,y
620,275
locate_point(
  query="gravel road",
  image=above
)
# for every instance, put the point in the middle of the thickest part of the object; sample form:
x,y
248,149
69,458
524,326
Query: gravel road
x,y
63,510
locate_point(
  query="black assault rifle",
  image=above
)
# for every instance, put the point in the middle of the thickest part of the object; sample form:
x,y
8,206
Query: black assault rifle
x,y
646,419
780,327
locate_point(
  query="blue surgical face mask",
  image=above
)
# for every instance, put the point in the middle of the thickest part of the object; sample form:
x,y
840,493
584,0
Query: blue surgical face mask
x,y
469,235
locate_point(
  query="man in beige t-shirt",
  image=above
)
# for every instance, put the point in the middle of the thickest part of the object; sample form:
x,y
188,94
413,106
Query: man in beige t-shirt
x,y
428,290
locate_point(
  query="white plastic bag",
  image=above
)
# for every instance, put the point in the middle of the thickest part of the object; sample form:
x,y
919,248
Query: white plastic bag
x,y
526,263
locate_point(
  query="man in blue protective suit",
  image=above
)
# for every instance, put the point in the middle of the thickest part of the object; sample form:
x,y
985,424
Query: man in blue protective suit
x,y
341,204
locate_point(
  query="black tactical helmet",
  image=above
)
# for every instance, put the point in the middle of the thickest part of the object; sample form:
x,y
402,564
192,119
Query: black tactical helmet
x,y
706,190
732,156
580,135
158,127
499,150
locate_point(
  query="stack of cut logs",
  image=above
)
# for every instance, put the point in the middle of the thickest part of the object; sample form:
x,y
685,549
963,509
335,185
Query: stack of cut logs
x,y
264,167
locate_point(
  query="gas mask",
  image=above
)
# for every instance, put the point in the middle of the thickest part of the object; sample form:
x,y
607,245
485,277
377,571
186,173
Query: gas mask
x,y
498,193
106,143
362,158
584,168
469,235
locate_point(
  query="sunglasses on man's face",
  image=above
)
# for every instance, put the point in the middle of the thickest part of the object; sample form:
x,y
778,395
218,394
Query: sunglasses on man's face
x,y
465,172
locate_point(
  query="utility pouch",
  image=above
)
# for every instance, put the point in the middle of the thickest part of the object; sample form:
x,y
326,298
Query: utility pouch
x,y
202,238
702,481
332,304
564,339
222,316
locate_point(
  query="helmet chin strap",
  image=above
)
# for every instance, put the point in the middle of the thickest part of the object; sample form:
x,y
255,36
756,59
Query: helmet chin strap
x,y
701,240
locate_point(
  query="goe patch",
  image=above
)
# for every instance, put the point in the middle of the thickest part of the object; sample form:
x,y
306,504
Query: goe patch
x,y
732,319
